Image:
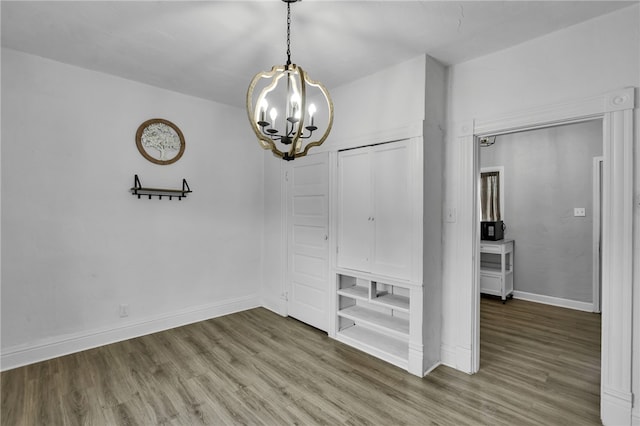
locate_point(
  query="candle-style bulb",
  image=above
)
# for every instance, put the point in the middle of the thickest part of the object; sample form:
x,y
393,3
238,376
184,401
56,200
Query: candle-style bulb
x,y
295,105
263,108
312,111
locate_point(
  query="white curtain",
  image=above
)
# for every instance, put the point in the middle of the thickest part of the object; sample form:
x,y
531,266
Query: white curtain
x,y
490,196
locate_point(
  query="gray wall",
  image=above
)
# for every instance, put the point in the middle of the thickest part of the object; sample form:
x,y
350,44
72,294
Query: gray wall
x,y
548,172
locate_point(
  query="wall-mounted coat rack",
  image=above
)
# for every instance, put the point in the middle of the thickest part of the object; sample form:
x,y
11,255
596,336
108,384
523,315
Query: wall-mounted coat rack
x,y
139,190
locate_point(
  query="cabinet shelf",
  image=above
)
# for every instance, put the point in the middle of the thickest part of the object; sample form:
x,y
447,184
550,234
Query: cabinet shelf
x,y
393,301
383,298
493,270
356,292
368,318
384,346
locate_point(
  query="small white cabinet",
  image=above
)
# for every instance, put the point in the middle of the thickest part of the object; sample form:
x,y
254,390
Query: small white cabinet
x,y
496,268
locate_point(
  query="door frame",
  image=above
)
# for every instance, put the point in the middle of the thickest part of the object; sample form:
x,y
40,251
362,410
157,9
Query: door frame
x,y
598,163
616,109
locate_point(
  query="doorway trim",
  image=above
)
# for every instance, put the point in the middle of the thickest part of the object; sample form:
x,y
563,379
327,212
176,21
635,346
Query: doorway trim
x,y
615,108
598,163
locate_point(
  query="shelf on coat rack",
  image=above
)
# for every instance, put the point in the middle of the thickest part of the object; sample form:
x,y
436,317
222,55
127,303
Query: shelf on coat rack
x,y
139,190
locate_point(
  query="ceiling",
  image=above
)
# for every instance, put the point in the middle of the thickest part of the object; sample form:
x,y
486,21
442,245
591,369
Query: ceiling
x,y
212,49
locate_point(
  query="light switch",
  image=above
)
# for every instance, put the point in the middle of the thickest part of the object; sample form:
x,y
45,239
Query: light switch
x,y
579,211
450,214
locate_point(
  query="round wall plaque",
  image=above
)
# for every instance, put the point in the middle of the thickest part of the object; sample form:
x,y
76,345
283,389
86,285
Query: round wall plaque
x,y
160,141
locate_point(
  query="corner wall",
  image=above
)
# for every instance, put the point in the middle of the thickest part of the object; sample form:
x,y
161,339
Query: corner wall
x,y
76,244
432,221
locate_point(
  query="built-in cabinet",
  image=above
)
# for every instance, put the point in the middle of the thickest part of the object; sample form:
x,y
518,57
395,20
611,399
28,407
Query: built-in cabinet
x,y
381,305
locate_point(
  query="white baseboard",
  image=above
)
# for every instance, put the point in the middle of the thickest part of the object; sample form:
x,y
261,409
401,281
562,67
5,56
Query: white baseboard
x,y
277,305
555,301
431,368
448,355
615,407
48,348
464,360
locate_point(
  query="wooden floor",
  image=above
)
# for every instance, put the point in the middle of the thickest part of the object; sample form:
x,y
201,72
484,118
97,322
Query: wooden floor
x,y
539,366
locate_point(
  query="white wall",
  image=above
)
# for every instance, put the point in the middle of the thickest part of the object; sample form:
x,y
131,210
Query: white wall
x,y
584,60
372,108
76,244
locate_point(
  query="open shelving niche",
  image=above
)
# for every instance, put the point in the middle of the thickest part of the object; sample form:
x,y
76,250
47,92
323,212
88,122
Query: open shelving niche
x,y
374,316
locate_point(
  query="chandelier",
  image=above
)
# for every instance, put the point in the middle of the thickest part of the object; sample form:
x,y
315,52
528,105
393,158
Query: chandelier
x,y
289,112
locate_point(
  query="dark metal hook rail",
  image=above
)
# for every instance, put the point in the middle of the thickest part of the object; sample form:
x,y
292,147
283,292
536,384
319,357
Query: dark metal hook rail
x,y
139,190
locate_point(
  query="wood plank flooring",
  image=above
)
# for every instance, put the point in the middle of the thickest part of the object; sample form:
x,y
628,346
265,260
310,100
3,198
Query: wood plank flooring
x,y
540,365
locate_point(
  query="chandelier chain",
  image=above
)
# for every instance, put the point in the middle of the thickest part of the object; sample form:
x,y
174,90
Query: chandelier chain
x,y
288,34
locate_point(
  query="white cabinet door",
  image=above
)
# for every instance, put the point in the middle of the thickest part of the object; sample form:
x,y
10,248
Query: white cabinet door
x,y
376,210
392,210
354,210
308,245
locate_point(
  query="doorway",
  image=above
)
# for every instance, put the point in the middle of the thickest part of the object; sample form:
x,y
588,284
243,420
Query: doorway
x,y
548,204
544,193
616,109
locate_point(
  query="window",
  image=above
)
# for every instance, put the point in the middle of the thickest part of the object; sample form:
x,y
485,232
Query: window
x,y
491,193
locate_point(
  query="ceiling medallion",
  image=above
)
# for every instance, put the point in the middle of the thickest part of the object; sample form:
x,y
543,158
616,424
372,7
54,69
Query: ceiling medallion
x,y
278,108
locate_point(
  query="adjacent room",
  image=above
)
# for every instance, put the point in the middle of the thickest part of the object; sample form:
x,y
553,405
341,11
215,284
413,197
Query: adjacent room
x,y
545,199
320,212
541,255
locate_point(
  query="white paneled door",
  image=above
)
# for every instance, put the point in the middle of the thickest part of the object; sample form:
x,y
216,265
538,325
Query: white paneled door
x,y
308,239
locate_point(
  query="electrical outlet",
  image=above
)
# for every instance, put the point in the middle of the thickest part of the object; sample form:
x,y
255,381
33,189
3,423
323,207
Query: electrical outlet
x,y
124,311
579,211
